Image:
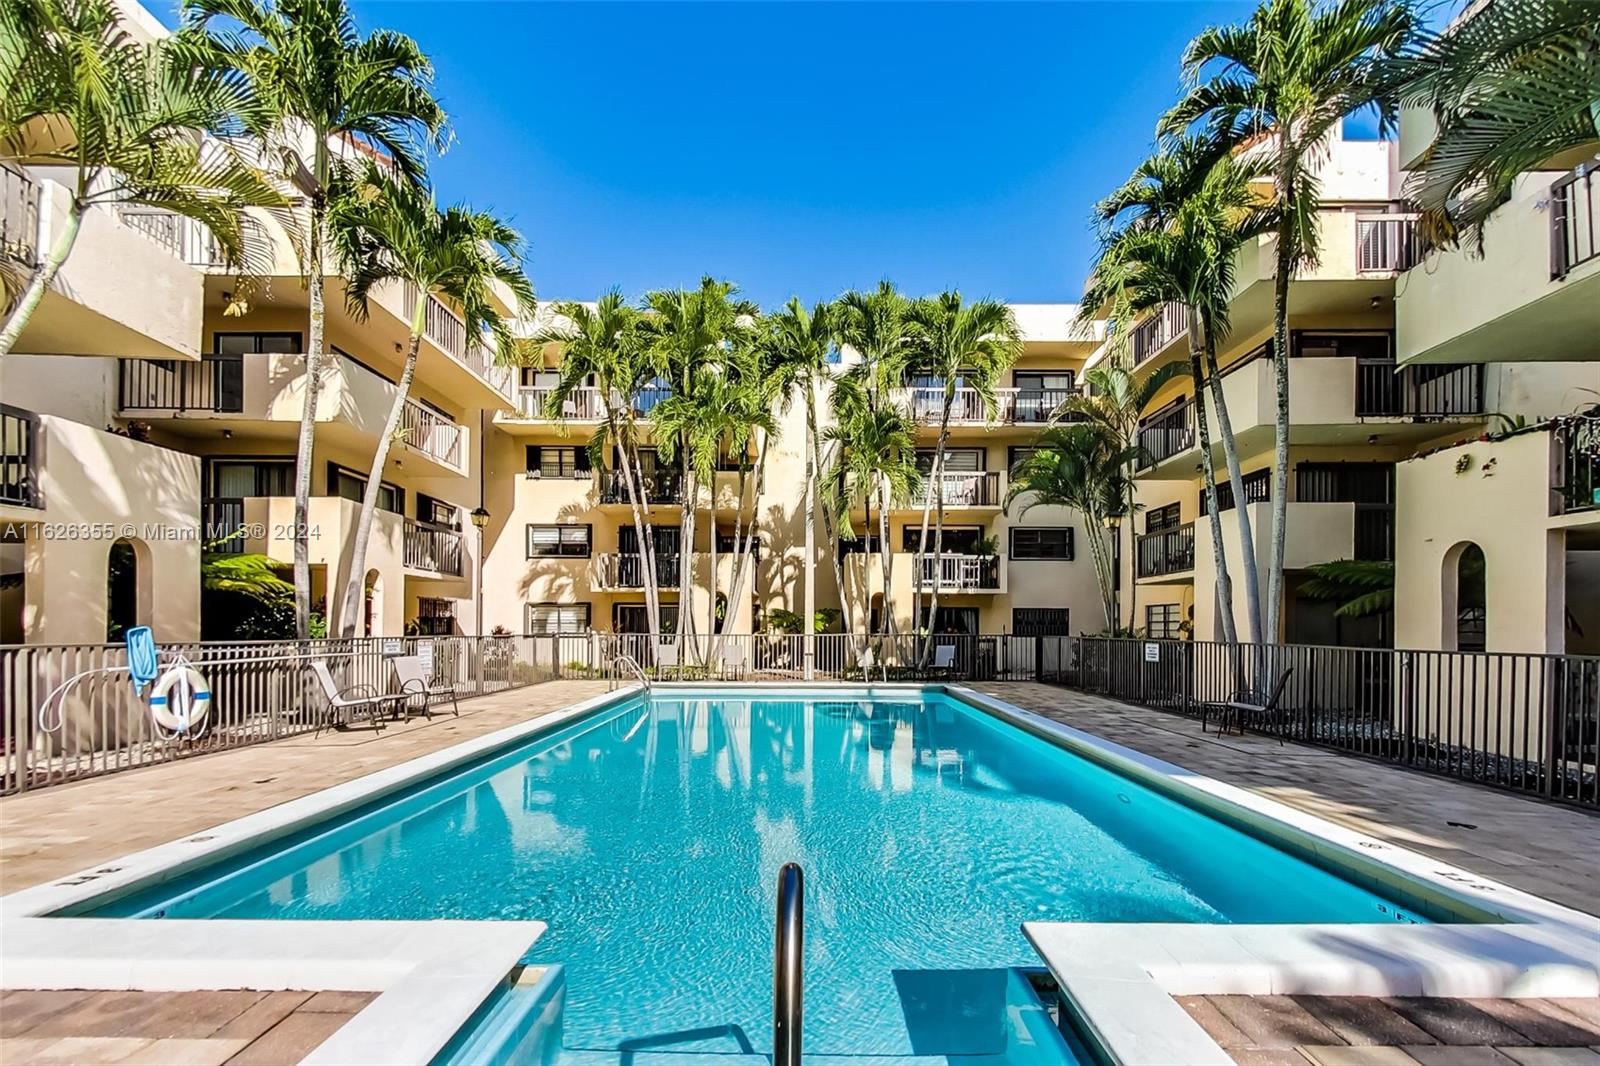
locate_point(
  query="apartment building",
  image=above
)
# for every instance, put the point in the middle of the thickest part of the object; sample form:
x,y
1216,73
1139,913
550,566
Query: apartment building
x,y
563,551
1387,367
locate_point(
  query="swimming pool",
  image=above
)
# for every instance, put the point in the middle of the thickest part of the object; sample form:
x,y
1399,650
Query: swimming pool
x,y
648,836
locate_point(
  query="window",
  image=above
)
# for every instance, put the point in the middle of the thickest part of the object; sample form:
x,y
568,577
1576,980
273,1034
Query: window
x,y
257,344
631,618
1162,621
1041,542
548,618
1375,346
261,477
1158,519
950,621
557,461
863,544
436,617
752,542
958,540
1041,621
1344,482
956,460
570,542
1043,380
352,486
1018,453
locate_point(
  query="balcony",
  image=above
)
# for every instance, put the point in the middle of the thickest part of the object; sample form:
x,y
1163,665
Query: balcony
x,y
353,401
1530,297
660,486
19,457
1386,244
1155,333
19,217
431,547
1333,400
1577,482
967,408
623,571
961,490
960,573
584,404
1168,552
93,307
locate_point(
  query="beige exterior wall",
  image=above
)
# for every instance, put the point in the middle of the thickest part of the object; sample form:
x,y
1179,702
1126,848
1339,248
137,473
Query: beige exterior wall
x,y
119,293
96,488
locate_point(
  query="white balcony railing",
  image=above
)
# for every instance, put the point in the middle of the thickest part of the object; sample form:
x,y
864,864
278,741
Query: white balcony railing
x,y
1386,243
962,573
431,433
977,489
967,407
582,404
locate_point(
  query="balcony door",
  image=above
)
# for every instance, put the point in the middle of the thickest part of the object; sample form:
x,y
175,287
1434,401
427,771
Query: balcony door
x,y
227,381
632,618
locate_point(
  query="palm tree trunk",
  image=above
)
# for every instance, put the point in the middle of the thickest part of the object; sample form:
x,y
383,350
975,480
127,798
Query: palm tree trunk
x,y
1280,364
1247,540
44,273
938,530
355,585
744,535
633,484
1219,554
686,531
808,628
891,626
308,426
1099,556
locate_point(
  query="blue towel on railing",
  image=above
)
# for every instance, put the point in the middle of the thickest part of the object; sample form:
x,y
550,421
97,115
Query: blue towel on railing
x,y
143,660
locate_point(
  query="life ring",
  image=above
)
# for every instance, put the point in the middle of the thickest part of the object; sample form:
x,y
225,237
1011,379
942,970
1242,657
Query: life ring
x,y
177,719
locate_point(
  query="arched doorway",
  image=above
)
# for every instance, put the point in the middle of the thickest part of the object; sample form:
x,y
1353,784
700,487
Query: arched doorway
x,y
127,587
1465,614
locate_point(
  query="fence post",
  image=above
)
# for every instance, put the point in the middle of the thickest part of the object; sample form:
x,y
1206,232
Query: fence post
x,y
1554,720
1408,704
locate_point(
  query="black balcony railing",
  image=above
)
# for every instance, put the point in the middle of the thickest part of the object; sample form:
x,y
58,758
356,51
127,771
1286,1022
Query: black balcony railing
x,y
1257,489
625,570
19,457
1443,390
660,486
1374,537
432,547
1166,435
1578,445
215,383
1572,224
1159,330
1170,551
223,517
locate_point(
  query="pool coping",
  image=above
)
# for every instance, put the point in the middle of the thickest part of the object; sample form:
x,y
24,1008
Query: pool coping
x,y
1118,979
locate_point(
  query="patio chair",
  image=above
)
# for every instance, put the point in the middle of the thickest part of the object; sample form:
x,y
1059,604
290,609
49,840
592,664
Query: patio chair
x,y
1246,706
866,659
944,659
353,699
414,682
733,660
667,656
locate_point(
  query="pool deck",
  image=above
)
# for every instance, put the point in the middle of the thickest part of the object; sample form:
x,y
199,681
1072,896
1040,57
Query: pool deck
x,y
1544,848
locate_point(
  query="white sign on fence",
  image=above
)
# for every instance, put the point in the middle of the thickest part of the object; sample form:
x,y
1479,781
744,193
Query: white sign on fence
x,y
425,653
1152,653
392,648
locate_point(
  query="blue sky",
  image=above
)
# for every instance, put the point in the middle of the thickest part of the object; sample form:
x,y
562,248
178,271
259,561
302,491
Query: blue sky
x,y
800,148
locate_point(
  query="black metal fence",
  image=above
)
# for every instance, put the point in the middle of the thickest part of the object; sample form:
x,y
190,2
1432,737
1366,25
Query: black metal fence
x,y
1572,222
1170,551
19,457
1443,390
1524,722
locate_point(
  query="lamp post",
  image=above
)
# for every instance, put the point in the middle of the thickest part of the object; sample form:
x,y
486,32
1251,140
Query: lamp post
x,y
480,518
1113,524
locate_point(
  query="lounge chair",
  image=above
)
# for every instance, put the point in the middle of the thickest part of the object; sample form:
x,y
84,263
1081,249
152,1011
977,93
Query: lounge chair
x,y
414,682
667,657
866,659
1247,706
352,700
733,661
944,658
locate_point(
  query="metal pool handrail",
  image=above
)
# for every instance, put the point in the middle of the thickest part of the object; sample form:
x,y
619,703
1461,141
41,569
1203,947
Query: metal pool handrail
x,y
631,664
788,963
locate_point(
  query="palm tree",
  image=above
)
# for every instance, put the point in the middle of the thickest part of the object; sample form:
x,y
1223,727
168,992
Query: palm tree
x,y
800,344
1112,405
124,119
1082,466
1290,76
973,344
687,332
383,231
1511,87
875,458
876,326
1181,219
604,342
326,91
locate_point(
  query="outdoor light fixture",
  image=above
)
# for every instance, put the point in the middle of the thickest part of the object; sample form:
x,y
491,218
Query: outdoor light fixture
x,y
480,517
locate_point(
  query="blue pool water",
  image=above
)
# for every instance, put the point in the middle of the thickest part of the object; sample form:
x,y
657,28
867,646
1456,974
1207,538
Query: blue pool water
x,y
649,838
